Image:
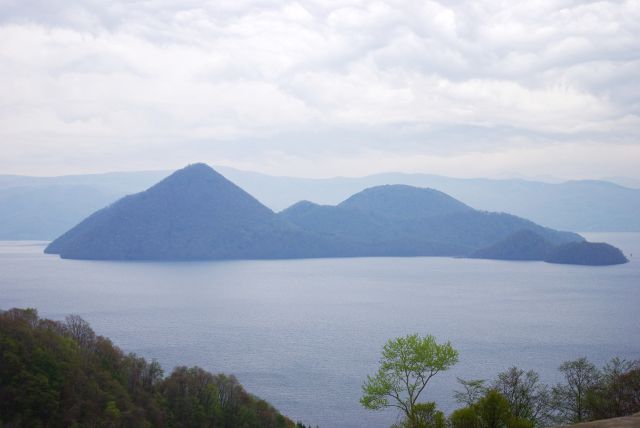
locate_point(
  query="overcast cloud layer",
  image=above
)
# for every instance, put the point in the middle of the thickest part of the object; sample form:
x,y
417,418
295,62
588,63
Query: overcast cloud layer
x,y
319,88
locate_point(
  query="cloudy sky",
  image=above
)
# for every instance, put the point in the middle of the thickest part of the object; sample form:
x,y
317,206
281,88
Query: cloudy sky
x,y
321,87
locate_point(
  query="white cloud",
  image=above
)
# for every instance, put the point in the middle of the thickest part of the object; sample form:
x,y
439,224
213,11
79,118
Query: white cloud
x,y
246,81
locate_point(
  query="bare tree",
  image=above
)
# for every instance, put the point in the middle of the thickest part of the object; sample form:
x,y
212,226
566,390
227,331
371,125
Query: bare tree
x,y
474,389
528,398
80,331
618,391
570,398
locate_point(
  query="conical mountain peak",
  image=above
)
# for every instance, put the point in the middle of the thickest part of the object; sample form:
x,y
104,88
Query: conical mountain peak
x,y
196,171
199,169
194,213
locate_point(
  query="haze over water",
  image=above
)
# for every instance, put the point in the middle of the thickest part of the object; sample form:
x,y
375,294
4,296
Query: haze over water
x,y
303,334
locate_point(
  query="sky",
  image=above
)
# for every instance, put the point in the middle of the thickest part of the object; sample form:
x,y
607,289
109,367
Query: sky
x,y
321,88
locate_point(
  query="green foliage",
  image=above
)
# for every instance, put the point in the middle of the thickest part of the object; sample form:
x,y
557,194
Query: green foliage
x,y
493,410
112,412
59,374
490,411
466,417
425,415
586,394
406,366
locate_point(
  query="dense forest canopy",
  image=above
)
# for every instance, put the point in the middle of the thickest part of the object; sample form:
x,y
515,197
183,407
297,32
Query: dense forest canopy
x,y
61,374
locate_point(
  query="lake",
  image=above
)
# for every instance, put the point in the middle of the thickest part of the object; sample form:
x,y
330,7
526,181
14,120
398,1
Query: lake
x,y
303,334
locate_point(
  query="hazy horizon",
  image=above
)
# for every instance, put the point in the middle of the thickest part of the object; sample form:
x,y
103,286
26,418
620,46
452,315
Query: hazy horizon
x,y
625,181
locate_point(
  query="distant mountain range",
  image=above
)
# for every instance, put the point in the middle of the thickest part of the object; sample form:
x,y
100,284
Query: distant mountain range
x,y
585,206
197,214
44,207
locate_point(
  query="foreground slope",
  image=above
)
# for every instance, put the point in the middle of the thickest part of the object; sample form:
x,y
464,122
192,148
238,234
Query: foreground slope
x,y
632,421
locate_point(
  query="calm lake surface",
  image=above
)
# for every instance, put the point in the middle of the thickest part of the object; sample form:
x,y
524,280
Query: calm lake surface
x,y
304,334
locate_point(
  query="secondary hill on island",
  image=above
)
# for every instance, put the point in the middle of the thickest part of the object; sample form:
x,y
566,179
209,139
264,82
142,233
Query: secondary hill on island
x,y
197,214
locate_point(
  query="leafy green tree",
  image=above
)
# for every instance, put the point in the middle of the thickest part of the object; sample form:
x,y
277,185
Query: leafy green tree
x,y
425,415
493,410
466,417
406,367
570,398
191,398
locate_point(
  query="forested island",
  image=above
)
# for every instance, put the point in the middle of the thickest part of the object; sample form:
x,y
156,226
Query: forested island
x,y
197,214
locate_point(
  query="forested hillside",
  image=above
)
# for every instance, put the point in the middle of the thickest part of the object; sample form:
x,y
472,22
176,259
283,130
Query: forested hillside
x,y
61,374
